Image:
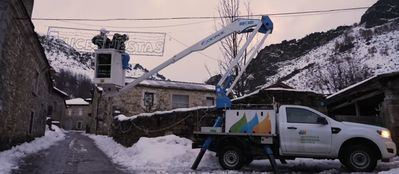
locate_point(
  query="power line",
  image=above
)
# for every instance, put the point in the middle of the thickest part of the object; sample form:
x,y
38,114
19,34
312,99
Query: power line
x,y
185,45
155,26
283,14
88,29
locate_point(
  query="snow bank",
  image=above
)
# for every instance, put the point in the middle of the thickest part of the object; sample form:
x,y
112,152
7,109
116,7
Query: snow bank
x,y
9,158
391,167
166,153
173,154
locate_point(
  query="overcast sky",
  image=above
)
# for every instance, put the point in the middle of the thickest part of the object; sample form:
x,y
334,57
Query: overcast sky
x,y
192,68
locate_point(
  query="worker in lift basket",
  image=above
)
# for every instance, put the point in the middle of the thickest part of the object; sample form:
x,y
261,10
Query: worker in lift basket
x,y
101,40
118,43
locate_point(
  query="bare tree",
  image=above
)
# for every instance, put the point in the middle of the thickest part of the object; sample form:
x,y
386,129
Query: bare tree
x,y
229,11
339,74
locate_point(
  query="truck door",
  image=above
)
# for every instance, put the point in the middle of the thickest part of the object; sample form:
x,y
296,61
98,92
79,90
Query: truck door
x,y
305,132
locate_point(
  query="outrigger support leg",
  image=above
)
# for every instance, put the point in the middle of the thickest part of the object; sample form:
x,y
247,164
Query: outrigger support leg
x,y
206,145
269,153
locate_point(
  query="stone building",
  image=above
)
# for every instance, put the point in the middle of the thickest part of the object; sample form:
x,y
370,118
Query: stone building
x,y
25,78
148,96
161,95
56,106
77,115
373,101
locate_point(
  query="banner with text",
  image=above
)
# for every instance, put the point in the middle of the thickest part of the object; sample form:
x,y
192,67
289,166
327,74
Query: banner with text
x,y
139,43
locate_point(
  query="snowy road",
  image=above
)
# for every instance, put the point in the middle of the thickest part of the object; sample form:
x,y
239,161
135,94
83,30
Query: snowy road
x,y
76,154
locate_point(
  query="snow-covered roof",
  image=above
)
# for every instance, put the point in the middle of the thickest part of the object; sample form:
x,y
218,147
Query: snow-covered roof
x,y
350,87
122,117
174,84
393,73
76,101
100,88
60,91
273,89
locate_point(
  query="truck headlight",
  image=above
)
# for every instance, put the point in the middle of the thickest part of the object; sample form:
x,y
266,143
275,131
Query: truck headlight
x,y
384,133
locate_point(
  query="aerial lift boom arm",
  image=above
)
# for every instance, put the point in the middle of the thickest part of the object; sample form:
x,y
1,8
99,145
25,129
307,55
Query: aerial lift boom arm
x,y
238,26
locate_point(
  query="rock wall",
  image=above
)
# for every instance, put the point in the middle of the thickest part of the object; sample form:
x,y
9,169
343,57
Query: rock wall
x,y
24,75
179,123
185,123
104,104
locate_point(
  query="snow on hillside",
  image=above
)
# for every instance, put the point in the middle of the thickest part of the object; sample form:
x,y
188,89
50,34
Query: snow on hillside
x,y
64,57
378,49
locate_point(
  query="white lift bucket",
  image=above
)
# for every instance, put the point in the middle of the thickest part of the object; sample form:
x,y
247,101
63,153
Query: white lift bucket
x,y
108,67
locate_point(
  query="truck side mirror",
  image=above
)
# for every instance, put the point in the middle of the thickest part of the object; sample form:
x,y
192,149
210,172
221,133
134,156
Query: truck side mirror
x,y
322,120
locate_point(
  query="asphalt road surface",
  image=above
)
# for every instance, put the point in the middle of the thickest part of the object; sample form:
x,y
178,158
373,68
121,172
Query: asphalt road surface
x,y
76,154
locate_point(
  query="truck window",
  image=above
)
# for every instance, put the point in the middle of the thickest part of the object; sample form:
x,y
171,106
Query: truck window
x,y
299,115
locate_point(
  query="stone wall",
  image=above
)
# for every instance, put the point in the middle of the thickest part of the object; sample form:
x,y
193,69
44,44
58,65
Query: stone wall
x,y
104,104
101,116
179,123
24,75
56,103
184,123
391,108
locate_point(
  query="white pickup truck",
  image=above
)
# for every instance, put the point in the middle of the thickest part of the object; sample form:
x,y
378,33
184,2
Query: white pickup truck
x,y
296,131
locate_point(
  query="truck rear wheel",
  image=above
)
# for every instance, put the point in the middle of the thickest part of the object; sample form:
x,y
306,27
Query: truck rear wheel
x,y
359,158
231,158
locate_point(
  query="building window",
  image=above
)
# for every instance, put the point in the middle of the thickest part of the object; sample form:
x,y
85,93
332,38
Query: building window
x,y
103,66
69,112
32,115
50,110
148,99
179,101
79,125
210,101
80,111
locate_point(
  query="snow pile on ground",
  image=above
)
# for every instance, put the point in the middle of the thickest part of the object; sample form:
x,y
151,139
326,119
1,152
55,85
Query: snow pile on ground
x,y
173,154
166,153
9,158
391,167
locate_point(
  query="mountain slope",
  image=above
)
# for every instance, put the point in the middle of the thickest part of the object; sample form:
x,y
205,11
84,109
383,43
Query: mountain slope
x,y
379,53
353,52
64,57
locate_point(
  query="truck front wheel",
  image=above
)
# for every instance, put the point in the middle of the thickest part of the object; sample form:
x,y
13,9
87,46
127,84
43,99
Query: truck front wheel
x,y
231,158
359,158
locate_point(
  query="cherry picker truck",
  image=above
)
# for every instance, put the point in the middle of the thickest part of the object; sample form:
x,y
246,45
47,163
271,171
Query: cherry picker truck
x,y
286,132
226,83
